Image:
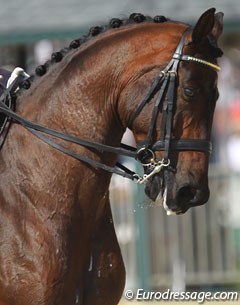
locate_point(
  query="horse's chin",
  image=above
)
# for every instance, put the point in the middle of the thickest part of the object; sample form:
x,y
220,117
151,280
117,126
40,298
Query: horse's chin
x,y
154,188
157,192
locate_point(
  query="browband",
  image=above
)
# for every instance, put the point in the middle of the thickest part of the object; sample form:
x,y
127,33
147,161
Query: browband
x,y
197,60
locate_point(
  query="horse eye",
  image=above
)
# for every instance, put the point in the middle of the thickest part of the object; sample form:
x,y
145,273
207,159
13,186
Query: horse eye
x,y
189,92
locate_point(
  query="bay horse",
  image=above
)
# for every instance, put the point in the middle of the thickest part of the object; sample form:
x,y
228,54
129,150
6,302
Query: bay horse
x,y
155,76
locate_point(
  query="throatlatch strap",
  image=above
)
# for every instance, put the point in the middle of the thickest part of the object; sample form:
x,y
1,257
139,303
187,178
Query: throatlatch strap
x,y
156,110
170,100
154,88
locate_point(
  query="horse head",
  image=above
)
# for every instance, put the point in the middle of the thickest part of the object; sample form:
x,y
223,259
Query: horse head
x,y
174,144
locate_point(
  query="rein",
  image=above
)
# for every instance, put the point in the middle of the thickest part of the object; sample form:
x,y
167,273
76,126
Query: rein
x,y
167,79
37,130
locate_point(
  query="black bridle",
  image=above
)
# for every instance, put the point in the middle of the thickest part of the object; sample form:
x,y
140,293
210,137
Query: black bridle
x,y
166,81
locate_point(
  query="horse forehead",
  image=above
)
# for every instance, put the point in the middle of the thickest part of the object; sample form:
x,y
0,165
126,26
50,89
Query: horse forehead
x,y
196,74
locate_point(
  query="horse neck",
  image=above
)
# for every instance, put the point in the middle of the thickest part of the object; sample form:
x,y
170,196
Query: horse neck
x,y
83,90
76,97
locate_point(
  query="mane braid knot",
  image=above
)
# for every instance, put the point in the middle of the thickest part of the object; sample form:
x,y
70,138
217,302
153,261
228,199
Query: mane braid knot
x,y
26,84
115,23
159,19
41,70
74,44
94,31
56,56
137,17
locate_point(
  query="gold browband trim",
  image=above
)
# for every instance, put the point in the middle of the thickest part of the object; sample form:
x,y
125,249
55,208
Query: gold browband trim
x,y
200,61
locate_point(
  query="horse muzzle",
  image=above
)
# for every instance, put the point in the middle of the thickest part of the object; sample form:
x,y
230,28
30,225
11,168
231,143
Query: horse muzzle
x,y
175,196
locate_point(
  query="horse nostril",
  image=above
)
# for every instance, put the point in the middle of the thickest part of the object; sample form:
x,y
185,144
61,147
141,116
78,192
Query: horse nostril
x,y
186,194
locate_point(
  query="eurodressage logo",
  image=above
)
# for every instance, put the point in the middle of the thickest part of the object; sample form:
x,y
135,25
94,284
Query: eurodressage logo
x,y
169,295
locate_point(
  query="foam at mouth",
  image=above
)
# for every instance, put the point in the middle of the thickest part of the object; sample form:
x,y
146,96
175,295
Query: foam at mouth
x,y
166,208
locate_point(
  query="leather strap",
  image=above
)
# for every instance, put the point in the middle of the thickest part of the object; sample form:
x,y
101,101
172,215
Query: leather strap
x,y
156,110
125,151
37,130
154,88
185,145
125,172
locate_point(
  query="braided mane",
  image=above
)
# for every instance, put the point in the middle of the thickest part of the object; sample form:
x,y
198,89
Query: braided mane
x,y
93,31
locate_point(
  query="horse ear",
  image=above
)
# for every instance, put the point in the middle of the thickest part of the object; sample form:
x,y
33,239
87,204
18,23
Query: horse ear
x,y
218,25
207,23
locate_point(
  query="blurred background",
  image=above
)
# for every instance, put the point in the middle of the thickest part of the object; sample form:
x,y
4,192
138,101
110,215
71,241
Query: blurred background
x,y
199,251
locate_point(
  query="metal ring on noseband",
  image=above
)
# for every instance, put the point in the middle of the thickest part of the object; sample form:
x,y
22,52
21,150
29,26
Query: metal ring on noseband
x,y
148,154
